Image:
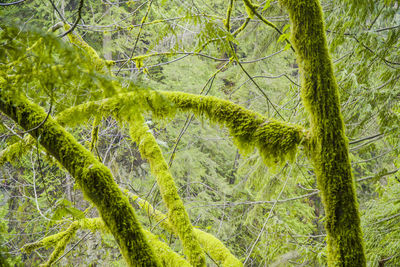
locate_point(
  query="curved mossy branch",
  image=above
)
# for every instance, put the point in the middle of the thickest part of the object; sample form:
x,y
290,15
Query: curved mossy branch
x,y
93,178
329,145
178,217
214,247
276,141
167,257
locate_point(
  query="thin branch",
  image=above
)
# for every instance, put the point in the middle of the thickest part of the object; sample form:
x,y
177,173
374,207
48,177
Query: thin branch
x,y
72,248
189,120
76,21
58,12
253,8
365,138
30,130
377,176
388,218
12,3
256,84
138,36
267,219
388,28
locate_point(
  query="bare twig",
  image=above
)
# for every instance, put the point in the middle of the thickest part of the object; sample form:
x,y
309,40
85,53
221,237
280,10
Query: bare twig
x,y
76,21
12,3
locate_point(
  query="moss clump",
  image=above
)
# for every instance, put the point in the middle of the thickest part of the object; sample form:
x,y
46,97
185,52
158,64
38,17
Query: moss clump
x,y
329,146
277,141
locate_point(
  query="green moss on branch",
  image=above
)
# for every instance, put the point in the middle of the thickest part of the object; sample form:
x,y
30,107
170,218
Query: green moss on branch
x,y
167,257
58,241
329,145
16,150
178,217
214,247
93,178
276,141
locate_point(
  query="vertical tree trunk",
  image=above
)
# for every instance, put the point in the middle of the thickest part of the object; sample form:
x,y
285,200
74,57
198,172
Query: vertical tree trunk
x,y
329,146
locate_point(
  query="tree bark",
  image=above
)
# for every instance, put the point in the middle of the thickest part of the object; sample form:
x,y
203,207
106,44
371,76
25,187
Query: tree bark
x,y
329,145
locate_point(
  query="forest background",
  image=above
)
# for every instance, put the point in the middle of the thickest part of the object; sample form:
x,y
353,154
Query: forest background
x,y
265,214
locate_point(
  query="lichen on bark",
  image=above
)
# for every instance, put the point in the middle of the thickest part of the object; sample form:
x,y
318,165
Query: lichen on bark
x,y
328,144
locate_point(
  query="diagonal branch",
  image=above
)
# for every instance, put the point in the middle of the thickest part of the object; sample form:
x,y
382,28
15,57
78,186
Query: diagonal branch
x,y
94,179
214,247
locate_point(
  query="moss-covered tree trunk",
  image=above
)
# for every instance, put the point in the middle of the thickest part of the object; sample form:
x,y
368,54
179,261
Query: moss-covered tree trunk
x,y
93,178
329,146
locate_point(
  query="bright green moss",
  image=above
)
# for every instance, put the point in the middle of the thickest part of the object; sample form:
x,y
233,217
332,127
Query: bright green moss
x,y
121,106
277,141
47,242
93,178
209,243
217,250
16,150
177,215
58,241
167,257
329,147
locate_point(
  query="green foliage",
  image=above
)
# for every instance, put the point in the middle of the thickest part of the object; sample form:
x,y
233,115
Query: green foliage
x,y
182,46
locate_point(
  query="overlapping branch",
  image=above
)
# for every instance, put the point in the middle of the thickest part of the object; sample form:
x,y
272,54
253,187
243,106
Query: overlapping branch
x,y
93,178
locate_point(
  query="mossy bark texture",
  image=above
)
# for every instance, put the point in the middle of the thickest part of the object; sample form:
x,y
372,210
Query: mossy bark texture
x,y
212,245
177,214
329,145
94,179
168,257
276,141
